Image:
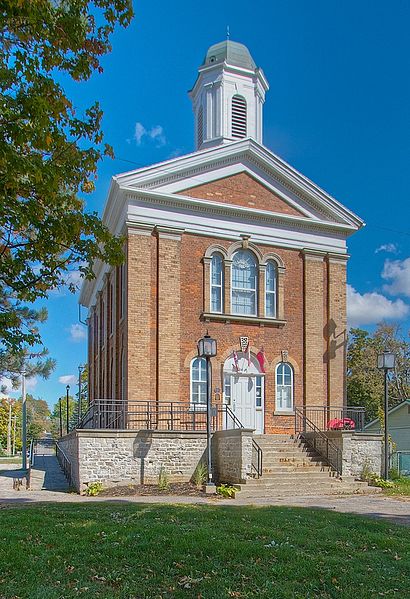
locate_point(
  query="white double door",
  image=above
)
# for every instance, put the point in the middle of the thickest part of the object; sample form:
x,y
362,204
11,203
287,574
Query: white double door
x,y
247,400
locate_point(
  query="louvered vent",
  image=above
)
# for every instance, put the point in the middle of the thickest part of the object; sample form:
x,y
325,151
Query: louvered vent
x,y
238,117
200,125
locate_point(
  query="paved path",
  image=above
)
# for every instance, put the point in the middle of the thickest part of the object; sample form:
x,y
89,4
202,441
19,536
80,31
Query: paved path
x,y
47,485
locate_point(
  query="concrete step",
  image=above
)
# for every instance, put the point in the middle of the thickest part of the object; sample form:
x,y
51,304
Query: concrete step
x,y
289,469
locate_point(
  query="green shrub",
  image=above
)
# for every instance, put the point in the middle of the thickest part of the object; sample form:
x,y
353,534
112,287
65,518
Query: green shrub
x,y
94,489
163,481
200,476
394,474
226,491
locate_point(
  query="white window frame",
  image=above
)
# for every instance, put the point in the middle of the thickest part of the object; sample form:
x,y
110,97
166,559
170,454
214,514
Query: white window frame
x,y
287,410
202,370
219,285
269,292
245,289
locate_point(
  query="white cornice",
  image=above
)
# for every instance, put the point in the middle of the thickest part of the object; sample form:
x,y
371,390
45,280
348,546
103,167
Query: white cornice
x,y
206,207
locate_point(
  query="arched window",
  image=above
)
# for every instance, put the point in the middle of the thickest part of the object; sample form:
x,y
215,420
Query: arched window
x,y
270,289
238,117
198,381
217,280
244,283
200,126
284,387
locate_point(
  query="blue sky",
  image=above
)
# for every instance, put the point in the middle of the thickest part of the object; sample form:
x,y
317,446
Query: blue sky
x,y
337,110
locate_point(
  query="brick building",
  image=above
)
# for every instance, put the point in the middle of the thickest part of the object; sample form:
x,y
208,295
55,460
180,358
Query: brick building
x,y
232,240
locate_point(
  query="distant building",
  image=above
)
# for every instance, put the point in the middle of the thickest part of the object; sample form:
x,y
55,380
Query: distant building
x,y
229,239
399,426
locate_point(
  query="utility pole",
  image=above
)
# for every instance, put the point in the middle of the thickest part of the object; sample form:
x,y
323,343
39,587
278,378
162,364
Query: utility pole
x,y
9,401
24,420
14,435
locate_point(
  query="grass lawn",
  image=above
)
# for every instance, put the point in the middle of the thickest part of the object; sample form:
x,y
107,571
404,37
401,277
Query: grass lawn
x,y
11,460
401,487
143,551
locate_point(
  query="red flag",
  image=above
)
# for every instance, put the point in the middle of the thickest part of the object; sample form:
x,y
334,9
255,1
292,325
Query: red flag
x,y
261,359
235,361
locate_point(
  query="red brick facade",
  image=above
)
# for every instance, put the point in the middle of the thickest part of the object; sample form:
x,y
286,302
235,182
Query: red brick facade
x,y
147,353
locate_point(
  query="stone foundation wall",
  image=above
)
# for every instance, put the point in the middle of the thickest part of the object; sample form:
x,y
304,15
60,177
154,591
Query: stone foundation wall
x,y
232,455
359,451
69,445
121,457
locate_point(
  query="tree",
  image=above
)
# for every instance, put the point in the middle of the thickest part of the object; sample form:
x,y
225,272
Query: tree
x,y
49,153
55,415
365,383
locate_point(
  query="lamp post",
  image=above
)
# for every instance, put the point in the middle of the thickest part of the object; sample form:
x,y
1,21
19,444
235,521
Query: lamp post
x,y
386,361
67,414
207,349
80,371
24,420
61,417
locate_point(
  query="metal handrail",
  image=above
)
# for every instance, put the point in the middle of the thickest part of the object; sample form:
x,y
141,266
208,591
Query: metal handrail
x,y
256,464
65,464
336,417
319,442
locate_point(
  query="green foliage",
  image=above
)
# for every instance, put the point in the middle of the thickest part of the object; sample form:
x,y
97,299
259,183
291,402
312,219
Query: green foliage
x,y
200,475
163,480
365,383
94,489
49,154
394,474
374,479
38,419
55,415
226,491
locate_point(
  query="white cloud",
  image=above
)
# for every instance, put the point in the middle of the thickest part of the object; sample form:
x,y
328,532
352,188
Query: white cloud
x,y
139,133
78,332
398,272
7,386
68,379
390,248
155,134
372,308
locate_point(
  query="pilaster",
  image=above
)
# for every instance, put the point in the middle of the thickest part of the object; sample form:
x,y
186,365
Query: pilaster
x,y
313,329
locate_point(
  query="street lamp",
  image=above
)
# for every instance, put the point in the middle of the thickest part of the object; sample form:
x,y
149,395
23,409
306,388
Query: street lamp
x,y
61,417
67,390
80,371
207,349
386,361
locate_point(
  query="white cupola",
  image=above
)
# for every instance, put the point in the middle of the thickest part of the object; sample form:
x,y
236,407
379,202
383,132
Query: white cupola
x,y
228,96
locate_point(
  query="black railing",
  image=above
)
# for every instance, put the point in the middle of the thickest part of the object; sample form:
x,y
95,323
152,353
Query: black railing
x,y
257,459
152,415
328,418
171,416
310,434
65,464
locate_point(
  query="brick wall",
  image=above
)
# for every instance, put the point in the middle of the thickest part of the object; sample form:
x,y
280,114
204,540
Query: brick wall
x,y
242,190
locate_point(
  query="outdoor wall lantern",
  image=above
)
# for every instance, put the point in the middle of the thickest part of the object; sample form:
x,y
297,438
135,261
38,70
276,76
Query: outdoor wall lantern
x,y
386,361
207,349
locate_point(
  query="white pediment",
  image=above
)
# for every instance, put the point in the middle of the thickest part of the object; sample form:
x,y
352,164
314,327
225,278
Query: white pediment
x,y
245,156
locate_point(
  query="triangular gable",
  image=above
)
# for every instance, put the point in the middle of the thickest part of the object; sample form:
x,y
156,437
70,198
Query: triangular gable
x,y
242,190
280,185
